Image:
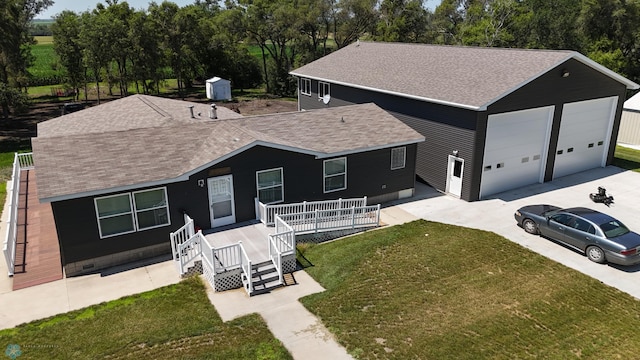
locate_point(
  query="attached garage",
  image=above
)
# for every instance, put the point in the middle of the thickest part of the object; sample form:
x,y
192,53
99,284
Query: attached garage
x,y
516,149
585,130
493,119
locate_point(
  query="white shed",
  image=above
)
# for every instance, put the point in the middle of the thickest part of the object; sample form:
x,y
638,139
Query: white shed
x,y
218,89
629,132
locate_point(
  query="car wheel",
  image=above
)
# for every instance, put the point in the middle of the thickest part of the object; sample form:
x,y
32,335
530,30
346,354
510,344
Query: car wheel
x,y
530,226
596,254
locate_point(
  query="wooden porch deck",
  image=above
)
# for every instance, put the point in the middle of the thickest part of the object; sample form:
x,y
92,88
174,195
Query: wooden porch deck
x,y
254,236
37,249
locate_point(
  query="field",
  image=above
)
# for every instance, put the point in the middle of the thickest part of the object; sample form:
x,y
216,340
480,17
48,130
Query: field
x,y
44,66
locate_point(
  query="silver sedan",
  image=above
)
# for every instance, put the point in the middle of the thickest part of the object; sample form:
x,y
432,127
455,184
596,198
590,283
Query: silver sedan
x,y
601,237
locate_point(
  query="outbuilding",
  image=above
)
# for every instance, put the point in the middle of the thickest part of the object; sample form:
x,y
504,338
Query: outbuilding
x,y
493,119
629,133
218,89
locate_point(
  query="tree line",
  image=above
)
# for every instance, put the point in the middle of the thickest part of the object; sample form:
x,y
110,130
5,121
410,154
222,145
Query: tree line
x,y
124,46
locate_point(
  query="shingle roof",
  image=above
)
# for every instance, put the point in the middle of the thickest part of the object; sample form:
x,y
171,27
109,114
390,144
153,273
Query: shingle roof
x,y
132,112
633,103
72,163
469,77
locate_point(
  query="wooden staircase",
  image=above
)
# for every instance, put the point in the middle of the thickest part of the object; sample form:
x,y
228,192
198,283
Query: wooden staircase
x,y
264,278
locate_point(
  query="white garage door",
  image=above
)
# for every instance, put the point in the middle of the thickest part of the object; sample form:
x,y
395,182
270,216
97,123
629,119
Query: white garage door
x,y
516,149
585,131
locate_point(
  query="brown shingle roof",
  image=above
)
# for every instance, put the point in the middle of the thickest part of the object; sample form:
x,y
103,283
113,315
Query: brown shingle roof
x,y
127,155
469,77
132,112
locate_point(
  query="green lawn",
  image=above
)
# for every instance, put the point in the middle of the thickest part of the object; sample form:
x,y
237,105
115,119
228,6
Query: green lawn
x,y
627,158
426,290
174,322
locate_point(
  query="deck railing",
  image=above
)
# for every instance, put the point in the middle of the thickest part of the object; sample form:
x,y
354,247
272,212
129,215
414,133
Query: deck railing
x,y
181,235
266,212
276,257
22,161
245,263
285,237
326,220
227,258
189,251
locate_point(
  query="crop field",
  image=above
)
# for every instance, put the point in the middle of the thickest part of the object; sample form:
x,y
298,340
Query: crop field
x,y
45,60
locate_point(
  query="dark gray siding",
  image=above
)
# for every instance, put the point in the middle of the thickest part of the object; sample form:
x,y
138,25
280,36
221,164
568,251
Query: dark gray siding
x,y
448,128
445,129
368,174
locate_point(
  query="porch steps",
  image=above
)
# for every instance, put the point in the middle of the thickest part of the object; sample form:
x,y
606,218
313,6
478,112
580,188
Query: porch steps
x,y
264,278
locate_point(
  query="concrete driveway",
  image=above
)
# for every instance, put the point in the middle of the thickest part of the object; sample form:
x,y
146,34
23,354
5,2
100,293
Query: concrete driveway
x,y
496,214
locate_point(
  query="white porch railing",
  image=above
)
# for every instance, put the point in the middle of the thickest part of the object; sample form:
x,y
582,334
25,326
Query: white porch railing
x,y
22,161
189,251
181,235
285,237
327,220
266,212
245,263
276,258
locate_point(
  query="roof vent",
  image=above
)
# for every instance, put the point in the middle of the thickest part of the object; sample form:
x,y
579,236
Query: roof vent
x,y
191,109
213,113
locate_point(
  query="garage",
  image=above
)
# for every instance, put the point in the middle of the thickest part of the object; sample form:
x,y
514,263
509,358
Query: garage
x,y
515,149
585,131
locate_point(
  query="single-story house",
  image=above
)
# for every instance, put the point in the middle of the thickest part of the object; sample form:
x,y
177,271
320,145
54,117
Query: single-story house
x,y
218,89
121,175
493,119
629,133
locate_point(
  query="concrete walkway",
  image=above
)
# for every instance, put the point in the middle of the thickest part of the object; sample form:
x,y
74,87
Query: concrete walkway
x,y
300,331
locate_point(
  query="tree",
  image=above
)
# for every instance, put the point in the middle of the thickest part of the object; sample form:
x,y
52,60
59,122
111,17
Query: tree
x,y
66,43
403,21
15,50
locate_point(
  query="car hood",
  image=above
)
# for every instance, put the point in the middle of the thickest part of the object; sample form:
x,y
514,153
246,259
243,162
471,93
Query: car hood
x,y
628,240
538,209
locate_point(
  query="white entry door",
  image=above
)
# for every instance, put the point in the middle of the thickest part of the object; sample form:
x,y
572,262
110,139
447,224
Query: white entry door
x,y
221,204
454,178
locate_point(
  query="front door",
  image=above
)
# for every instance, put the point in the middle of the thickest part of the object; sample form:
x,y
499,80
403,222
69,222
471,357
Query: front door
x,y
454,175
221,204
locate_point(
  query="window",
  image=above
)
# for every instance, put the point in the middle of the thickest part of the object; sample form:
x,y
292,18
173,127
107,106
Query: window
x,y
305,86
114,215
323,89
398,157
335,174
270,186
151,207
130,212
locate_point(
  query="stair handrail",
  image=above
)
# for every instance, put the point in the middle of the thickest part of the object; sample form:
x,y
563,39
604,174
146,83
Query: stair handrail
x,y
276,258
245,263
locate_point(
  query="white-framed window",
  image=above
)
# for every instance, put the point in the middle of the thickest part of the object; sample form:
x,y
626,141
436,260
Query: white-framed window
x,y
115,215
305,87
398,157
270,186
335,174
152,208
323,89
130,212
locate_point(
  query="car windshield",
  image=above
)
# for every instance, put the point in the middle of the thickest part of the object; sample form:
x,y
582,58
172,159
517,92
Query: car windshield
x,y
613,229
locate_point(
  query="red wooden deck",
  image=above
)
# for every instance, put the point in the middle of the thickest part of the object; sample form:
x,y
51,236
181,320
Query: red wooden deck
x,y
37,249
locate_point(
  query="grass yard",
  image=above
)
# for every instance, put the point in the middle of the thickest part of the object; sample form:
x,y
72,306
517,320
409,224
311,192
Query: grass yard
x,y
174,322
434,291
627,158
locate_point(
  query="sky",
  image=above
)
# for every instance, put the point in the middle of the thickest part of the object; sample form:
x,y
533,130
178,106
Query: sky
x,y
79,6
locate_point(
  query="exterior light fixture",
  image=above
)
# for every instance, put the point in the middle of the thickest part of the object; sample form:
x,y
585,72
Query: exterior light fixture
x,y
565,73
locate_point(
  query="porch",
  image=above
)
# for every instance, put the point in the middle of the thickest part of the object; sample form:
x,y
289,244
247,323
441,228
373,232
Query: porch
x,y
255,255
